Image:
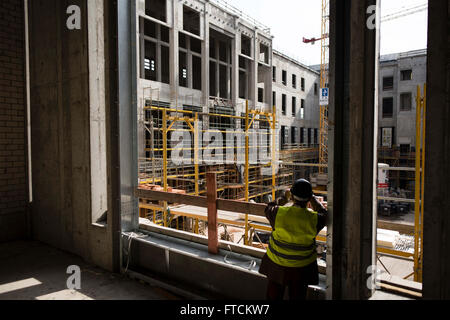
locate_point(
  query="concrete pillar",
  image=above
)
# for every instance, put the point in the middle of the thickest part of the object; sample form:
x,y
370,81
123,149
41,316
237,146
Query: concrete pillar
x,y
436,264
205,58
174,56
352,150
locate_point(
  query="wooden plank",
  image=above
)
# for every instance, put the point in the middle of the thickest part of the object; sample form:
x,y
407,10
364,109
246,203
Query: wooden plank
x,y
225,205
255,209
213,234
171,197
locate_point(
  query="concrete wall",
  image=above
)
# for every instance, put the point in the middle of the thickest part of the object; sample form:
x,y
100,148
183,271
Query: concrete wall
x,y
311,117
62,132
13,141
403,121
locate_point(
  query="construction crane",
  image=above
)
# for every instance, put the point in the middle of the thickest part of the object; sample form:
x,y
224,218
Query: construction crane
x,y
324,71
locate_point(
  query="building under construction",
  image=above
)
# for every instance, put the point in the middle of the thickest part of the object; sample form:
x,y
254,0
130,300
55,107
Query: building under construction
x,y
144,138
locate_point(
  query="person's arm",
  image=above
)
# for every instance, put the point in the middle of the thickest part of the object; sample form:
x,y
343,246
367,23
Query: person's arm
x,y
321,213
271,213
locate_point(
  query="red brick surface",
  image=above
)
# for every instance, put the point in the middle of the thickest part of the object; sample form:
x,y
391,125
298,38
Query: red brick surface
x,y
13,163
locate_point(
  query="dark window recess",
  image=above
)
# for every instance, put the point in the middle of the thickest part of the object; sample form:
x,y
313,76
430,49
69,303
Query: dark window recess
x,y
260,95
212,79
165,37
283,104
316,136
196,45
316,90
294,134
302,135
246,45
294,81
183,76
405,101
309,136
212,47
223,51
303,84
274,98
274,74
284,77
406,75
165,65
223,84
196,73
388,107
242,85
405,149
150,28
182,40
284,136
388,83
156,9
264,53
294,106
191,20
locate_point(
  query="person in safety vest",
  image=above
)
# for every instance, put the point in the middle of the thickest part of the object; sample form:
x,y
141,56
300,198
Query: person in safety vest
x,y
291,258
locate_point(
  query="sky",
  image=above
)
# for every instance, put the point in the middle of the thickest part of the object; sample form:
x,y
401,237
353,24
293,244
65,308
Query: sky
x,y
291,20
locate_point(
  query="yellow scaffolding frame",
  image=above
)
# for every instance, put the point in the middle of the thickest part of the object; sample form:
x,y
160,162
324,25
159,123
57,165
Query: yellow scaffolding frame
x,y
172,116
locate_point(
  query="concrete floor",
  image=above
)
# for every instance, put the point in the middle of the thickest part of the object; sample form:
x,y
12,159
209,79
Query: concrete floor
x,y
33,271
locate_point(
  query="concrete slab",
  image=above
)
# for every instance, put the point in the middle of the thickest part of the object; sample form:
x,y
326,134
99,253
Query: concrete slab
x,y
33,271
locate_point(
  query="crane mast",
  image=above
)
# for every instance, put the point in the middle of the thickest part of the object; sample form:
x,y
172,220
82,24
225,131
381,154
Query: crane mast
x,y
324,79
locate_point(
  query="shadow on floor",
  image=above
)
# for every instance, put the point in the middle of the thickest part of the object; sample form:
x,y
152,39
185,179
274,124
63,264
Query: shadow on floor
x,y
33,271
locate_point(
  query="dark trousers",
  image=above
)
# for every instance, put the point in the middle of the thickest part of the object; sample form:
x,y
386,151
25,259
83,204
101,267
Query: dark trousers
x,y
297,291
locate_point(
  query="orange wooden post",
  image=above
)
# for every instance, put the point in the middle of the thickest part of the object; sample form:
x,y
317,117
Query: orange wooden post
x,y
211,190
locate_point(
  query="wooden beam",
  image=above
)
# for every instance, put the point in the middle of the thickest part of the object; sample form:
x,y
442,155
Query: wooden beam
x,y
255,209
213,234
171,197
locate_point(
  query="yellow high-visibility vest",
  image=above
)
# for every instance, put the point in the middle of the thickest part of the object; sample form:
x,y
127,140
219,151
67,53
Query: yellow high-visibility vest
x,y
293,242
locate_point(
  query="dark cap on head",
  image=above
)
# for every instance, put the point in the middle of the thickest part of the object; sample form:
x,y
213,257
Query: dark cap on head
x,y
302,190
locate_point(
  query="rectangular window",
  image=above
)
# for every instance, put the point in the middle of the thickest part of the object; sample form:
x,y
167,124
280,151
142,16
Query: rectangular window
x,y
264,53
183,76
274,98
406,75
294,106
302,109
196,73
309,136
316,136
260,95
274,74
283,104
294,134
388,83
165,65
302,135
155,44
316,90
303,84
156,9
405,101
284,77
191,20
150,72
294,81
246,45
388,107
284,136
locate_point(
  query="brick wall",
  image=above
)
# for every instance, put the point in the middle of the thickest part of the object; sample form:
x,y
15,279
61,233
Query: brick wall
x,y
13,164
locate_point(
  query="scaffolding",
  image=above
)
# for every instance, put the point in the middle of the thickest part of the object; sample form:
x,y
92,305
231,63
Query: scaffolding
x,y
183,143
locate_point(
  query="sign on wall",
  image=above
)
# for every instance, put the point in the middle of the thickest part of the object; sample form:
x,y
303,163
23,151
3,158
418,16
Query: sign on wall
x,y
324,96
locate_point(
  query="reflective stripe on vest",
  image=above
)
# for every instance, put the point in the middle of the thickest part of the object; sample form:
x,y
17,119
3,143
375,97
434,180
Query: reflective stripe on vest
x,y
293,240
